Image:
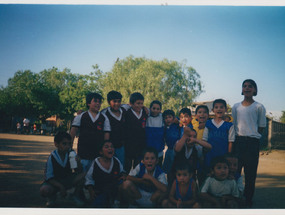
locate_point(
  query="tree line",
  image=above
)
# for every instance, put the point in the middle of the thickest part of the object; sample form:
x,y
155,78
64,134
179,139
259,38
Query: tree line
x,y
62,93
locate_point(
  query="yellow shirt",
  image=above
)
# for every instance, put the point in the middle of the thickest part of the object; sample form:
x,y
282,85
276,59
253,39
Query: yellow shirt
x,y
200,132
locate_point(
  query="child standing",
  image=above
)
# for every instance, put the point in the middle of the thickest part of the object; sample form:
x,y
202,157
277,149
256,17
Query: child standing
x,y
249,121
184,192
116,116
218,191
218,133
135,131
93,127
58,173
201,117
171,135
155,129
185,118
146,184
103,177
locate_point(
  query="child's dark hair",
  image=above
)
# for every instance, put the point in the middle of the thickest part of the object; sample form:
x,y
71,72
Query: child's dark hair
x,y
150,150
230,155
202,106
103,142
185,110
220,101
156,102
184,166
218,159
168,112
113,95
252,82
60,136
136,96
94,96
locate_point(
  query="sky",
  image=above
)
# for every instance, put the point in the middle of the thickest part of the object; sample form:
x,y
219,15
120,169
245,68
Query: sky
x,y
224,44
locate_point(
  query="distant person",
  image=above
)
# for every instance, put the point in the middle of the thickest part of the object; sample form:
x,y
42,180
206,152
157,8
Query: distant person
x,y
59,175
249,121
26,125
94,128
19,127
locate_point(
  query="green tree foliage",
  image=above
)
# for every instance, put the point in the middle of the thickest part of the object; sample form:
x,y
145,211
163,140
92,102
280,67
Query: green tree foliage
x,y
170,82
282,118
50,92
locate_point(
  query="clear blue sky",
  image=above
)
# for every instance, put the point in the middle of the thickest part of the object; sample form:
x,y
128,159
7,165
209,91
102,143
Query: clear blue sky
x,y
225,44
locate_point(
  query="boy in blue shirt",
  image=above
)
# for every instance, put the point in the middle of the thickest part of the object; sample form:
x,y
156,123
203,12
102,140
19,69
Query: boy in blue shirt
x,y
218,133
171,135
146,185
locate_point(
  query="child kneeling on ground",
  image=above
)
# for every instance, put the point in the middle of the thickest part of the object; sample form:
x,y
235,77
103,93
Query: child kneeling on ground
x,y
184,192
219,191
104,177
146,184
58,174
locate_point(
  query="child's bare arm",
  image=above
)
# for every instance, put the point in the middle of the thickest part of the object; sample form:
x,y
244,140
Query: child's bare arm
x,y
73,133
58,185
230,147
172,193
138,181
160,186
207,146
211,199
180,143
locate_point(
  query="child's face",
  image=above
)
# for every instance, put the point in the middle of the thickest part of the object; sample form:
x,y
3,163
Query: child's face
x,y
168,120
115,104
155,110
95,105
233,165
221,171
183,176
137,105
219,110
248,89
185,119
107,150
202,115
64,146
149,161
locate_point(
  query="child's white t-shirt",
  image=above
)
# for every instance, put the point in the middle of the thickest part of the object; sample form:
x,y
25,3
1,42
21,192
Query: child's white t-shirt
x,y
247,119
220,188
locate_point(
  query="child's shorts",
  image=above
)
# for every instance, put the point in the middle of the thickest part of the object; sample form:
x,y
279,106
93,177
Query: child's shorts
x,y
145,201
66,182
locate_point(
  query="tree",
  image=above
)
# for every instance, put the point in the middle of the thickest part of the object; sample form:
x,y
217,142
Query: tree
x,y
282,118
172,83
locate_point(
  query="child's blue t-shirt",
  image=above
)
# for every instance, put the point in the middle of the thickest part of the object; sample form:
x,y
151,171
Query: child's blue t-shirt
x,y
155,133
172,134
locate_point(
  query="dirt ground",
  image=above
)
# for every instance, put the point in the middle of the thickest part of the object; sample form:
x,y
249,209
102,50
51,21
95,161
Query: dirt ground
x,y
23,158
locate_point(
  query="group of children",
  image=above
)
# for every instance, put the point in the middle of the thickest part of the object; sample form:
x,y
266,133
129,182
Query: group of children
x,y
121,160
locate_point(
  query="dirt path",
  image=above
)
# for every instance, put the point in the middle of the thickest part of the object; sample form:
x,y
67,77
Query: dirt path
x,y
23,157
